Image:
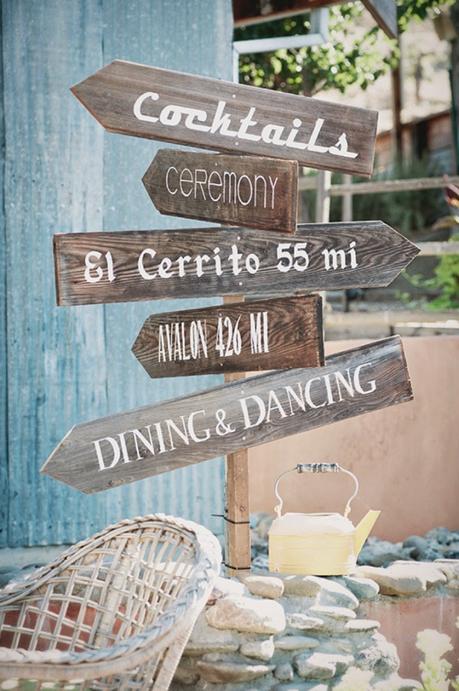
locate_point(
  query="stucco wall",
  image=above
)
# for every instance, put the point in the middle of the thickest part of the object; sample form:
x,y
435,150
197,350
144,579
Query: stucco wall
x,y
406,457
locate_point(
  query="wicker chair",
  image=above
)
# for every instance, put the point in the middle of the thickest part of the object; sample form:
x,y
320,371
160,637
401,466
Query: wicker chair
x,y
113,612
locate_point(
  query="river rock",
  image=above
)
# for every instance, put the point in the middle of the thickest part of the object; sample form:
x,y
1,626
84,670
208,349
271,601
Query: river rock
x,y
362,626
262,650
450,567
334,594
418,545
265,586
299,686
395,683
381,656
363,588
263,527
247,614
227,586
303,622
206,639
380,552
186,672
321,666
284,671
452,552
429,571
296,643
340,613
9,574
441,535
302,586
396,580
260,563
226,672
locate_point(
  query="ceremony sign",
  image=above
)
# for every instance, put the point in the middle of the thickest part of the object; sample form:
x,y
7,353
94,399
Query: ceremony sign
x,y
155,439
250,191
154,103
247,336
146,265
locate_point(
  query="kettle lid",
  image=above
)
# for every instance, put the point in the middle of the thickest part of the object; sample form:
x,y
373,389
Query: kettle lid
x,y
311,523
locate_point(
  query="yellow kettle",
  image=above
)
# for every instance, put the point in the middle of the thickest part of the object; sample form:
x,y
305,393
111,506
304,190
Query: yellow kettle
x,y
319,544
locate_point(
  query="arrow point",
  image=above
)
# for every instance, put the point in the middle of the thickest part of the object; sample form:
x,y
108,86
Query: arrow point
x,y
148,179
51,463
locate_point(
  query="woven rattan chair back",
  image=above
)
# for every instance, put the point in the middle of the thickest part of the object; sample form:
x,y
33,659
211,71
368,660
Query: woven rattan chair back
x,y
113,612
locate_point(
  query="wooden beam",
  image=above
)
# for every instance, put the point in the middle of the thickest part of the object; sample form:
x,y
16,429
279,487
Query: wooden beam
x,y
384,13
237,512
436,249
323,196
380,186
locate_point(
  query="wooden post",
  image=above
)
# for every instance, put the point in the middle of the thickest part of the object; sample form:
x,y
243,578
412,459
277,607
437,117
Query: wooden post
x,y
237,527
323,196
346,216
346,208
323,210
396,110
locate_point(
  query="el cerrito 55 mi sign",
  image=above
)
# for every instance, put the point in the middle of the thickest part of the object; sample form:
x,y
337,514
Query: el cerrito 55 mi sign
x,y
154,103
204,262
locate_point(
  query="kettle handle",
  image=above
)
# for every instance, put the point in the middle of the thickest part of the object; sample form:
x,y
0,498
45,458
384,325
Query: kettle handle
x,y
316,468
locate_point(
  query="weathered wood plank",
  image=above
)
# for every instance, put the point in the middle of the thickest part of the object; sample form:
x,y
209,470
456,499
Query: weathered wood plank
x,y
146,265
237,513
238,553
379,186
436,249
242,337
156,439
154,103
385,14
251,191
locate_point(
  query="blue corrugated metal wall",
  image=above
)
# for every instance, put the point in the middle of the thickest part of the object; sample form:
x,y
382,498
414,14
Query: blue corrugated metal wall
x,y
62,173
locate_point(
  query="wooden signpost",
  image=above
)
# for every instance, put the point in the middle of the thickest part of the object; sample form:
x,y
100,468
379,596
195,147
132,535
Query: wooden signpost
x,y
155,439
247,336
259,193
147,265
251,191
154,103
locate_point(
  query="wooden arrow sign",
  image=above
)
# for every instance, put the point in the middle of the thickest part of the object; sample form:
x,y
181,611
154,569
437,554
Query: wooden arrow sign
x,y
147,265
247,336
155,439
143,101
251,191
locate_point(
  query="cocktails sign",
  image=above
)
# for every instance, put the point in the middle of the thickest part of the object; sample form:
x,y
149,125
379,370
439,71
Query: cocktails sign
x,y
154,103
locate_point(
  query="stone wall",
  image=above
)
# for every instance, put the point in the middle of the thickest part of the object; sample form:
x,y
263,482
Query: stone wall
x,y
304,632
294,632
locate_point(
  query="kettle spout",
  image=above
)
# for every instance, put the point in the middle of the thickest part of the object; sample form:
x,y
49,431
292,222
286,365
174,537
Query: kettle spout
x,y
363,530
